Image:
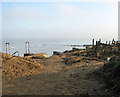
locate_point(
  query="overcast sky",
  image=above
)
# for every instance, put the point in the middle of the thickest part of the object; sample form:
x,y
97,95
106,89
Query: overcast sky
x,y
60,20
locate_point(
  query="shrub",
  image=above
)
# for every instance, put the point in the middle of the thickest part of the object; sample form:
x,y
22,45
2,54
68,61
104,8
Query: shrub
x,y
116,70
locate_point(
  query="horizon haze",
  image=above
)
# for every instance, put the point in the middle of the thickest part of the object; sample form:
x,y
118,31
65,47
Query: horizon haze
x,y
85,20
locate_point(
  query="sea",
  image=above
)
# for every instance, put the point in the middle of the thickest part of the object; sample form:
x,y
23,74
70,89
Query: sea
x,y
43,45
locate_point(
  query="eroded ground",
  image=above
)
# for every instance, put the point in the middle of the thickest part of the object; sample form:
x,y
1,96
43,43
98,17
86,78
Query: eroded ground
x,y
57,78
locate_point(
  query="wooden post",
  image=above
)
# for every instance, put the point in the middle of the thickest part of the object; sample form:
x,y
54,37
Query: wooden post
x,y
100,40
7,47
93,45
98,43
117,42
27,47
106,42
113,41
96,48
109,42
118,45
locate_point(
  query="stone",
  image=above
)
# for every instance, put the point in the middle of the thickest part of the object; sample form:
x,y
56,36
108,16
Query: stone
x,y
75,49
56,53
66,51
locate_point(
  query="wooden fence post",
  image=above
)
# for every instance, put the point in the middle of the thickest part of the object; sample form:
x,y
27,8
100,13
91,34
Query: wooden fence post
x,y
93,47
106,42
7,47
27,47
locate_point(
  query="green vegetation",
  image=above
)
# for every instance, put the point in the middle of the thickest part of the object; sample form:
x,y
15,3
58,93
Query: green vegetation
x,y
112,74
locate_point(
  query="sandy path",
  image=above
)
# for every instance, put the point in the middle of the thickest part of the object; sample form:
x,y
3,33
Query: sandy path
x,y
59,79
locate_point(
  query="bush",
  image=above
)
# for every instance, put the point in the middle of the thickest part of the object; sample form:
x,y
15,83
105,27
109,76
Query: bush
x,y
112,74
116,70
112,63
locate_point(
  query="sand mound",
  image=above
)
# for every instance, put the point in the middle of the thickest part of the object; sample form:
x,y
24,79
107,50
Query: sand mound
x,y
18,66
37,56
4,56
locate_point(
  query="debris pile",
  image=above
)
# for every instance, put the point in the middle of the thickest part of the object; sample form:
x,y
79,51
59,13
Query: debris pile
x,y
13,67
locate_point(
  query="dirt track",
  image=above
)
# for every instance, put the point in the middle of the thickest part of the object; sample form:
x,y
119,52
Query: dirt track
x,y
59,79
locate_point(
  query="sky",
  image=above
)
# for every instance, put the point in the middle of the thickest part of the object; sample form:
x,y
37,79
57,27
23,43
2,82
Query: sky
x,y
60,20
